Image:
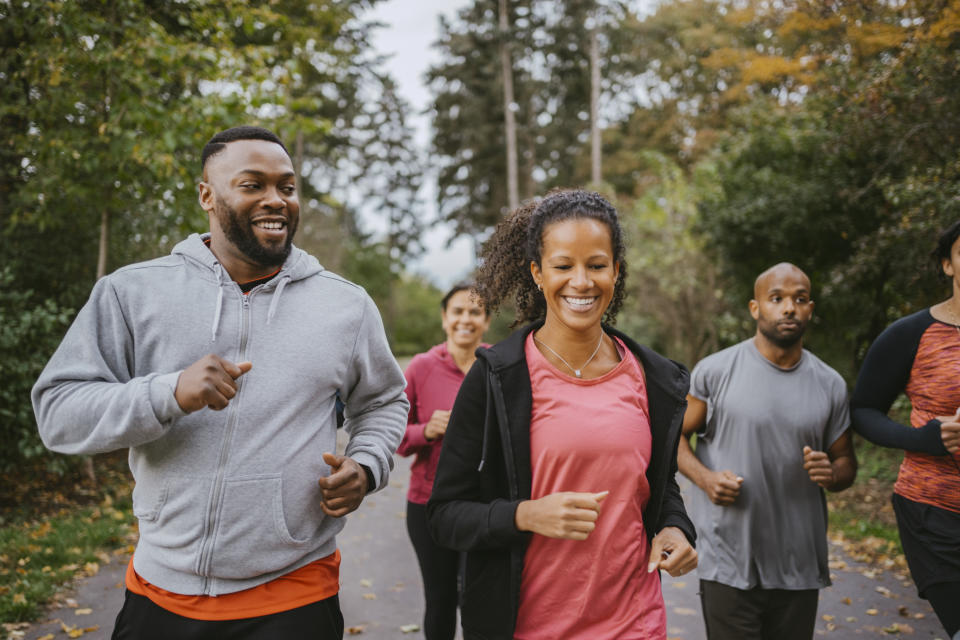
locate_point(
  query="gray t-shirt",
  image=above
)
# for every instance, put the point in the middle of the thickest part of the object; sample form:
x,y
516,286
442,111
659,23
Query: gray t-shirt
x,y
759,418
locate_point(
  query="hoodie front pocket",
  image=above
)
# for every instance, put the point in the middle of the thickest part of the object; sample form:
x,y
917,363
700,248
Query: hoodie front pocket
x,y
252,537
171,514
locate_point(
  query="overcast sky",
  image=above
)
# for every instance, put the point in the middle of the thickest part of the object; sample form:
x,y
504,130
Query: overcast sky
x,y
410,30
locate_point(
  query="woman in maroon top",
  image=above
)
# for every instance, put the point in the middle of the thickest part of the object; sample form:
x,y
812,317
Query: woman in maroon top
x,y
433,379
919,355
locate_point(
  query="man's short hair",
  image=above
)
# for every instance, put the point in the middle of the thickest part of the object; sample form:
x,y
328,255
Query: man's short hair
x,y
246,132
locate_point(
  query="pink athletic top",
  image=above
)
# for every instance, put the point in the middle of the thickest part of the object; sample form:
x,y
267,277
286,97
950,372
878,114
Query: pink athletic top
x,y
591,436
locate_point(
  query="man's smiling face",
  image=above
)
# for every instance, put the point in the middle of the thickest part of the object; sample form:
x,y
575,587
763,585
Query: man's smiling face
x,y
249,190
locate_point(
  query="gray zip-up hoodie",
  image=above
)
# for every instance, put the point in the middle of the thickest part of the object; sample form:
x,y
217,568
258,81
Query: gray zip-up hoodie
x,y
226,500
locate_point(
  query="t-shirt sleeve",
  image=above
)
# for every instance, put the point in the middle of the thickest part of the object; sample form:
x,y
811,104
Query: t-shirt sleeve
x,y
839,420
702,380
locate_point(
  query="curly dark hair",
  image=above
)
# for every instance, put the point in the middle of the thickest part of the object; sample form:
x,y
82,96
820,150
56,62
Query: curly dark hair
x,y
518,240
944,245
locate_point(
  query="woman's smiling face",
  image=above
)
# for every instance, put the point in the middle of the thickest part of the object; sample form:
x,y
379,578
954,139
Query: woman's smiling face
x,y
577,272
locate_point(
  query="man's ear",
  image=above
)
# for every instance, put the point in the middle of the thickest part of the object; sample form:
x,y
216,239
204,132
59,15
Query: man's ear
x,y
754,309
205,195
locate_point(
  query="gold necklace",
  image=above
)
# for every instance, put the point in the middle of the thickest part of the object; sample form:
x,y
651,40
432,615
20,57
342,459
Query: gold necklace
x,y
576,372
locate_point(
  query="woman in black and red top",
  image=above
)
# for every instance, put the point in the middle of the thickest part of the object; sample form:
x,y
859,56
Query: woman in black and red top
x,y
920,356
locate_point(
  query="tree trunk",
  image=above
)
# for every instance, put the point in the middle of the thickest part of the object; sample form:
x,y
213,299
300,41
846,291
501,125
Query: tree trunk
x,y
88,469
298,160
509,119
595,174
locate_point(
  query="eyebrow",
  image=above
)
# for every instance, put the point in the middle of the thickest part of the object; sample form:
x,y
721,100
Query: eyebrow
x,y
262,174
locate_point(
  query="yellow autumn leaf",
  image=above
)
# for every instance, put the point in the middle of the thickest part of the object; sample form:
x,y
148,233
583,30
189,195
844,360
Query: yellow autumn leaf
x,y
83,612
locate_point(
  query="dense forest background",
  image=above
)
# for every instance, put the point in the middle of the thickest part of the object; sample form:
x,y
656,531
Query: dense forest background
x,y
732,134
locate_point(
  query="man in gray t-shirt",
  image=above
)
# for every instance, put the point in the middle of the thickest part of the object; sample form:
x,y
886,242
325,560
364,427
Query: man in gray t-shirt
x,y
772,432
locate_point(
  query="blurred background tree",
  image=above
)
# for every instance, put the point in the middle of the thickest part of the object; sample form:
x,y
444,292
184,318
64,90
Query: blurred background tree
x,y
733,134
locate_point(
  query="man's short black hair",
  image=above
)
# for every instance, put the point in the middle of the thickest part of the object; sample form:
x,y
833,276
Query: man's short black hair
x,y
245,132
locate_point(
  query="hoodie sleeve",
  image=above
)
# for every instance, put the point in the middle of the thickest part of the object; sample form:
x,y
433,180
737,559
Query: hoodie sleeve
x,y
86,399
414,439
374,399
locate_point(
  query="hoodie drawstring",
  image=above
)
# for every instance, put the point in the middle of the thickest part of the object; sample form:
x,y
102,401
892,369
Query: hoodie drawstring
x,y
284,279
216,314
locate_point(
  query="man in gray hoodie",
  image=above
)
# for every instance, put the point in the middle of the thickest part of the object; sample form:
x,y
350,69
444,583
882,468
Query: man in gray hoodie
x,y
219,367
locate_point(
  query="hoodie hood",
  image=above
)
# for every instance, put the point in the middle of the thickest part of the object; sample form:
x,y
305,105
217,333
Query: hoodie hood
x,y
298,265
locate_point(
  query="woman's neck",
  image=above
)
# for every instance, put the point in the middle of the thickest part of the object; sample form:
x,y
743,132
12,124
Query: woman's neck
x,y
577,345
462,356
947,311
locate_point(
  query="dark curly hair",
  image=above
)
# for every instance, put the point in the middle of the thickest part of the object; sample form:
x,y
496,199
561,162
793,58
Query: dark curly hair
x,y
941,251
518,240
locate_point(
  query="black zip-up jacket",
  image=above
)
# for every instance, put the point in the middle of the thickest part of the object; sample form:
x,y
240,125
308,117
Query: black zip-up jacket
x,y
484,473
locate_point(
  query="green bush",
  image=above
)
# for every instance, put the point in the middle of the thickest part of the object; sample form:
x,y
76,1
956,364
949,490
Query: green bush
x,y
30,331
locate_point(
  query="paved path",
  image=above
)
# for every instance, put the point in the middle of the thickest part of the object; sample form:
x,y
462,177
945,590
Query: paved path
x,y
382,593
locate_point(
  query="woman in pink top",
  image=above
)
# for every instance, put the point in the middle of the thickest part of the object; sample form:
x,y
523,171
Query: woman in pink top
x,y
557,471
433,379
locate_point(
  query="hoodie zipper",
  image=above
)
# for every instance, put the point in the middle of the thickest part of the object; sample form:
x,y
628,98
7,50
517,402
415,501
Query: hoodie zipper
x,y
206,549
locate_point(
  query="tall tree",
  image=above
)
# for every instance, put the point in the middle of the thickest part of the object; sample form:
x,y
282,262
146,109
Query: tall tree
x,y
509,120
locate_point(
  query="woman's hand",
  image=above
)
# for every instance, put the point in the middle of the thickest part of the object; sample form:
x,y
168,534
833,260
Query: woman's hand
x,y
568,515
437,425
672,552
950,431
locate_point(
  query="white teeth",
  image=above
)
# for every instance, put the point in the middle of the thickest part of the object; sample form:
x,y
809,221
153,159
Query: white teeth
x,y
270,225
579,302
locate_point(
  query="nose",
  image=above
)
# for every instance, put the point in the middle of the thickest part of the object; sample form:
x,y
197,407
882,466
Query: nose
x,y
581,278
272,199
789,307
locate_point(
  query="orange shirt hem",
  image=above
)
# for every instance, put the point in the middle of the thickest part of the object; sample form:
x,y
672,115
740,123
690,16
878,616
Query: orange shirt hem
x,y
311,583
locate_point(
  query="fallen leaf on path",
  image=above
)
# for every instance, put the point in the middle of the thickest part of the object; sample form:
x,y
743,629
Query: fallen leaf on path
x,y
410,628
366,583
851,619
845,601
369,596
49,636
831,626
827,617
356,629
919,616
894,628
678,585
684,611
903,611
884,592
872,612
83,612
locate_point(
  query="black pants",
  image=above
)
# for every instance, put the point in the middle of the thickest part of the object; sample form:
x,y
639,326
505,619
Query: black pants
x,y
757,614
439,567
931,543
141,619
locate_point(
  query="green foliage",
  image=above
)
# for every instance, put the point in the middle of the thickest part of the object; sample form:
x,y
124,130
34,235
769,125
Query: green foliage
x,y
416,323
29,333
36,560
676,300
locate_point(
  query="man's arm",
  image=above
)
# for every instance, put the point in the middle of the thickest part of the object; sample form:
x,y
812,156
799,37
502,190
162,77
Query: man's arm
x,y
834,469
375,403
87,399
722,487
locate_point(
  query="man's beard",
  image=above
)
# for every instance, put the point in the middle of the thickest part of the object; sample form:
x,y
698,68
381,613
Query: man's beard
x,y
240,233
782,341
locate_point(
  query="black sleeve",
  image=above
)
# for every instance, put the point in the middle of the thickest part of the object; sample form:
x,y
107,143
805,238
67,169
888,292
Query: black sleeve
x,y
674,512
884,374
460,513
